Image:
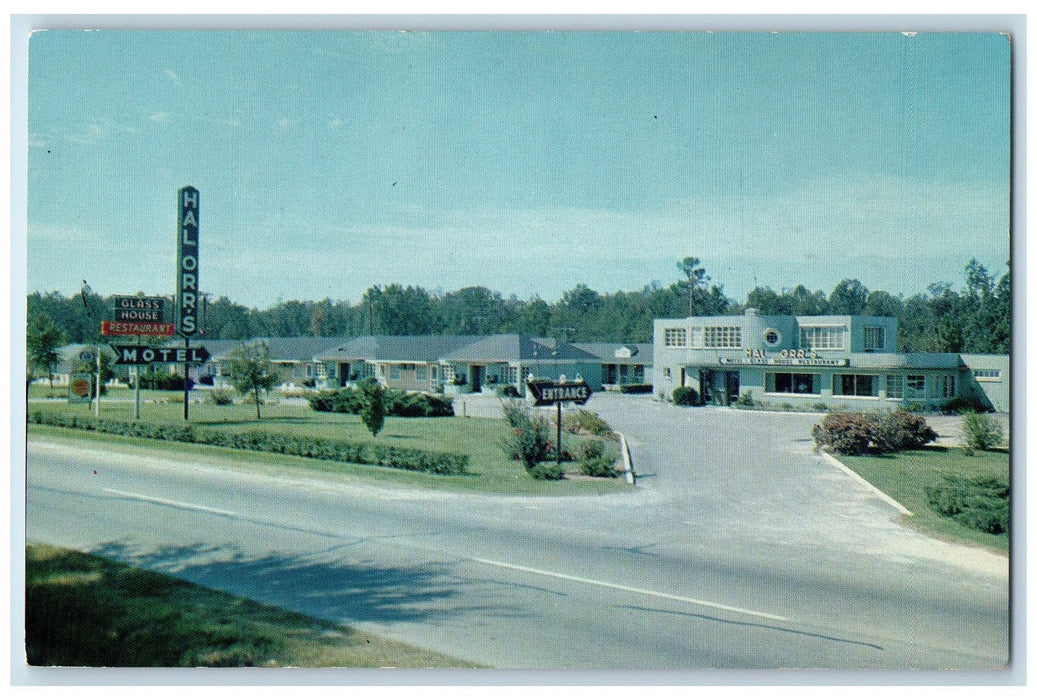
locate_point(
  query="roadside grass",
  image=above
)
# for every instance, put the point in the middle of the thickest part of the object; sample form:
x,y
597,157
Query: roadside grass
x,y
480,438
83,610
904,476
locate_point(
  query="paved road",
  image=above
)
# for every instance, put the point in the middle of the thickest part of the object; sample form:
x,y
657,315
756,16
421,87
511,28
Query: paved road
x,y
739,549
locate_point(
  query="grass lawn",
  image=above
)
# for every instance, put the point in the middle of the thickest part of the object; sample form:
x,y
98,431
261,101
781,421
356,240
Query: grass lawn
x,y
906,475
83,610
479,438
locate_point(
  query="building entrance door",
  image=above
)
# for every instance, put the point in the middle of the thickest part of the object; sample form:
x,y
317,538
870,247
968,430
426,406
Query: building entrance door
x,y
732,387
477,372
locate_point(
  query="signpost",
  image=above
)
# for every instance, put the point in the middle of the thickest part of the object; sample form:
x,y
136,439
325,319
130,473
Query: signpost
x,y
546,392
187,275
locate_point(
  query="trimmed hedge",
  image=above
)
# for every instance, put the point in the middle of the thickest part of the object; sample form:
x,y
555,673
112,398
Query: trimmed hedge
x,y
397,403
635,388
365,453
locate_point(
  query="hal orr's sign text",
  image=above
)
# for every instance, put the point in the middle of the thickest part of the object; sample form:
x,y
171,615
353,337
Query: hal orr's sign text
x,y
187,262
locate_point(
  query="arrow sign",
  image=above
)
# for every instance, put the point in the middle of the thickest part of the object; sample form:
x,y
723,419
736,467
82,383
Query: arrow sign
x,y
547,393
145,355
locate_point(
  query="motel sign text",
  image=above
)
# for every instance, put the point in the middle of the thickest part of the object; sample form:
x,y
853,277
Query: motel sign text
x,y
187,262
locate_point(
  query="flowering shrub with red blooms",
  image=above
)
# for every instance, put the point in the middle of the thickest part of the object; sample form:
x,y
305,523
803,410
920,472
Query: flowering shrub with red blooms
x,y
528,439
844,433
858,433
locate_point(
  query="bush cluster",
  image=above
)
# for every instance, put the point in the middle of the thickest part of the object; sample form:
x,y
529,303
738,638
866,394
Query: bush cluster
x,y
635,388
685,396
583,421
979,503
396,403
219,397
160,381
411,459
966,404
508,391
529,437
859,433
980,432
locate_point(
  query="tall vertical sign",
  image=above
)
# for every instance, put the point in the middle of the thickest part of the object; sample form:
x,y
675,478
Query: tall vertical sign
x,y
187,263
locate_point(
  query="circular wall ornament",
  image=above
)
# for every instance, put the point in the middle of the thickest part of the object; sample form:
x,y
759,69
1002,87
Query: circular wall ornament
x,y
771,336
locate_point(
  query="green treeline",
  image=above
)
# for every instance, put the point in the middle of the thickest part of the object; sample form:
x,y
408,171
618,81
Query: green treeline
x,y
974,320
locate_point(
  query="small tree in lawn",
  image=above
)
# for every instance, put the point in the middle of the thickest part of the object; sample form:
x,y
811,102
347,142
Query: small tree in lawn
x,y
42,340
373,411
251,370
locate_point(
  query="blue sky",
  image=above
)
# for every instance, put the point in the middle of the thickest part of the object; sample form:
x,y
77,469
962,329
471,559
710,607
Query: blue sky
x,y
527,162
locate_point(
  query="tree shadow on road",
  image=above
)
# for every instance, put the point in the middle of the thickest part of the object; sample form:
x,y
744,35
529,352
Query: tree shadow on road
x,y
337,590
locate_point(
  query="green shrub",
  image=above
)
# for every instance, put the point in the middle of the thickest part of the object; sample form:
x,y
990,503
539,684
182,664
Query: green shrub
x,y
161,381
529,437
980,503
590,449
966,404
980,432
547,471
507,391
745,400
600,467
685,396
220,397
821,406
396,403
636,389
302,446
843,433
582,420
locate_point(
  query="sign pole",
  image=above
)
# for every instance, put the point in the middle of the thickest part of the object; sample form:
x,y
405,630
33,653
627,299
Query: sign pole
x,y
187,377
558,452
136,389
97,385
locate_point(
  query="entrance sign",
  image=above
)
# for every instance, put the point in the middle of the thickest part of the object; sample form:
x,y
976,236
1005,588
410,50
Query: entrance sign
x,y
187,262
139,309
135,328
785,361
547,393
145,355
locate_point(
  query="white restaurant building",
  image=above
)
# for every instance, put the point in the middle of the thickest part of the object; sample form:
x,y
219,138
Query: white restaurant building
x,y
818,362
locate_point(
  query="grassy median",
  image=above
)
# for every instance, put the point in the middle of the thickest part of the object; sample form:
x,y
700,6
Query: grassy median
x,y
83,610
479,438
907,475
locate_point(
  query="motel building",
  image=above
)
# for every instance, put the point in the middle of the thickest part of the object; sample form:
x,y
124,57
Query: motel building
x,y
816,362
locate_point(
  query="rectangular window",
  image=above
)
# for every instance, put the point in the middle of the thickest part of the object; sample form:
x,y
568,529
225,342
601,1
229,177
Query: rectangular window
x,y
420,373
722,337
947,387
987,375
874,338
855,385
666,372
915,386
894,386
394,371
675,338
821,337
695,337
788,383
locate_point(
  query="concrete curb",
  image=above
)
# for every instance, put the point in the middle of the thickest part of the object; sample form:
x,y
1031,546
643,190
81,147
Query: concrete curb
x,y
864,482
628,464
